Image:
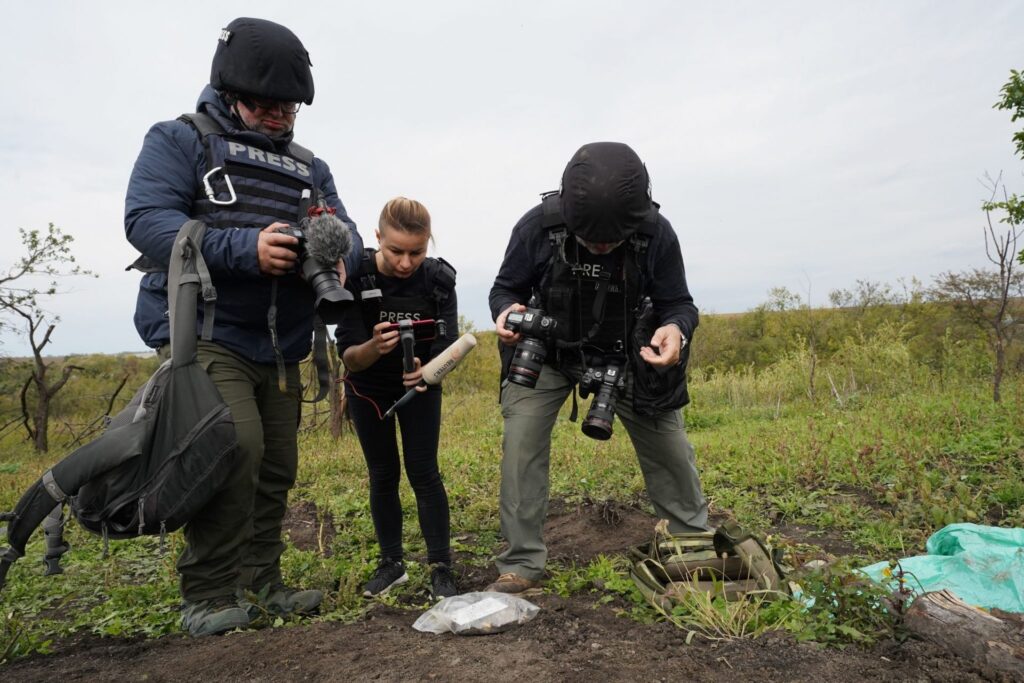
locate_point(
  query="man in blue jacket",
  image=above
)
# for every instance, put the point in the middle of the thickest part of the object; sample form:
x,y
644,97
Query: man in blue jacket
x,y
609,310
234,166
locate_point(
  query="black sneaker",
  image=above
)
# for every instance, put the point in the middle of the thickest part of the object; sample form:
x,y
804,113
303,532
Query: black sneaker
x,y
388,573
442,581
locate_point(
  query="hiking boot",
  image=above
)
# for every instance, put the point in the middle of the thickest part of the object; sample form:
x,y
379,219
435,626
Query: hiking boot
x,y
282,601
209,617
388,573
442,581
515,585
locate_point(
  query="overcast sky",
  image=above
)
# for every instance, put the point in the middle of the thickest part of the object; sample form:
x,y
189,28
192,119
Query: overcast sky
x,y
804,145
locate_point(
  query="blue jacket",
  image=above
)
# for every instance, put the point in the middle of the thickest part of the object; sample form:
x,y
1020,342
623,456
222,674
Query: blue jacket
x,y
165,182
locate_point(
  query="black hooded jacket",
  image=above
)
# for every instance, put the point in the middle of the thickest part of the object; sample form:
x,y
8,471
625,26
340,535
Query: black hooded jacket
x,y
528,258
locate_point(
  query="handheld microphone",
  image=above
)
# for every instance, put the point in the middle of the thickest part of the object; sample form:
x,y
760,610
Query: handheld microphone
x,y
435,370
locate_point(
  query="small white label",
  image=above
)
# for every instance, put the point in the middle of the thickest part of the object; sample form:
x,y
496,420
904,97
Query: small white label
x,y
479,610
225,35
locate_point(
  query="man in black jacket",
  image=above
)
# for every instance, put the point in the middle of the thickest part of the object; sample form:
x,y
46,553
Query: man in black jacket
x,y
609,310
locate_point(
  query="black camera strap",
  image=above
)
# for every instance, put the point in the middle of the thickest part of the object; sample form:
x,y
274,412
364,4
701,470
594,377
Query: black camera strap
x,y
320,356
320,359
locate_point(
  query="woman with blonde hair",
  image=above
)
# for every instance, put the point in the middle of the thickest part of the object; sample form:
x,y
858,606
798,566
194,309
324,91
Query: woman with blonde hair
x,y
398,285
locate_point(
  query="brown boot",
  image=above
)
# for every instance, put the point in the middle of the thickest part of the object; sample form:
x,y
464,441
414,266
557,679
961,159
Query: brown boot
x,y
515,585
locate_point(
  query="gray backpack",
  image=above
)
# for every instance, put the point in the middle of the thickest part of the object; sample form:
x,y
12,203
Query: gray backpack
x,y
159,460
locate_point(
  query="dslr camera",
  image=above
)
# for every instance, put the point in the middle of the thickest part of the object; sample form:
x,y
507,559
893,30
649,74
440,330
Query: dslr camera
x,y
607,383
323,241
531,351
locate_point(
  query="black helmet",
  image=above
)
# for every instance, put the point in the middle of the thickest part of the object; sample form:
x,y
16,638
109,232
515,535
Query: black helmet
x,y
605,192
260,58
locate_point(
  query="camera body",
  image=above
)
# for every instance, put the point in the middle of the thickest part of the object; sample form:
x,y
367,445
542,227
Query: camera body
x,y
421,330
531,351
331,296
607,383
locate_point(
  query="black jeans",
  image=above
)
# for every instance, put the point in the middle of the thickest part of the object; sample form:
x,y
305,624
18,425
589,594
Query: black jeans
x,y
420,424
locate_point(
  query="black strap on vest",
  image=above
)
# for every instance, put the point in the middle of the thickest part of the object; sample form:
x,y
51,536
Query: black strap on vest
x,y
370,295
443,276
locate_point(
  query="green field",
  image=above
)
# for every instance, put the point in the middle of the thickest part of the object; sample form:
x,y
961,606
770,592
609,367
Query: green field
x,y
868,441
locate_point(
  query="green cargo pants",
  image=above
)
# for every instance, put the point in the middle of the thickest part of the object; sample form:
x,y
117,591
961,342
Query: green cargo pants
x,y
235,541
665,455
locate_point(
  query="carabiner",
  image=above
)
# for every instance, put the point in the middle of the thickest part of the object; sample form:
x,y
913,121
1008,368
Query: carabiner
x,y
212,195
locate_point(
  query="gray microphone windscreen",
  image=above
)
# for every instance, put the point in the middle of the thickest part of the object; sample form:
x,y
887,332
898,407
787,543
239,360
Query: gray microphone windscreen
x,y
327,239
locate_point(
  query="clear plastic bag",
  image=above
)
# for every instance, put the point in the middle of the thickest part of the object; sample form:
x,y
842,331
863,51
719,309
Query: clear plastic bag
x,y
478,613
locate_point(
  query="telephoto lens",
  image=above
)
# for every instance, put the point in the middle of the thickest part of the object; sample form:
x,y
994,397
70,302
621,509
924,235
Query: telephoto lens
x,y
606,384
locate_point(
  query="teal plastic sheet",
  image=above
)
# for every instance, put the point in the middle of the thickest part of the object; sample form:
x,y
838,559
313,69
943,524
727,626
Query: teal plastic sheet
x,y
982,565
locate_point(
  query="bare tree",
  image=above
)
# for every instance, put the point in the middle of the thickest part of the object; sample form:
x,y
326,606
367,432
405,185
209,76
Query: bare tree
x,y
48,257
991,299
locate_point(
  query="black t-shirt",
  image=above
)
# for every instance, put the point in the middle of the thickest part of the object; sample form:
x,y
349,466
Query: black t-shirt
x,y
385,376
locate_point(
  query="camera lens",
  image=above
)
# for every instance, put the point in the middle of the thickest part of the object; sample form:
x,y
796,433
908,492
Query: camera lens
x,y
605,384
598,422
331,296
527,362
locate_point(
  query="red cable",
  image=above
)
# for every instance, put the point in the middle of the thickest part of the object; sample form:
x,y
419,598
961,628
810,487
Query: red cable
x,y
376,407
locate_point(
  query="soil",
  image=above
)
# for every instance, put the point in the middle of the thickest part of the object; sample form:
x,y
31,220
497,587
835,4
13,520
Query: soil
x,y
571,639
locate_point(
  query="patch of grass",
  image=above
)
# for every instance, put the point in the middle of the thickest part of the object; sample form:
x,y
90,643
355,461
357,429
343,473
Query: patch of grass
x,y
892,459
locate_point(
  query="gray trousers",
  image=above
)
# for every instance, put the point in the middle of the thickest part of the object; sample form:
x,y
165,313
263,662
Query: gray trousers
x,y
665,455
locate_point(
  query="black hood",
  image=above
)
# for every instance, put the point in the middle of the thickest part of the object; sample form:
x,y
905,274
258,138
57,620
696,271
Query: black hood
x,y
605,192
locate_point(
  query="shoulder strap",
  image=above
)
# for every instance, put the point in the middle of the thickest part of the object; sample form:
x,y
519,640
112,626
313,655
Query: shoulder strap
x,y
554,224
440,279
551,205
370,295
204,124
297,151
187,278
368,269
639,242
